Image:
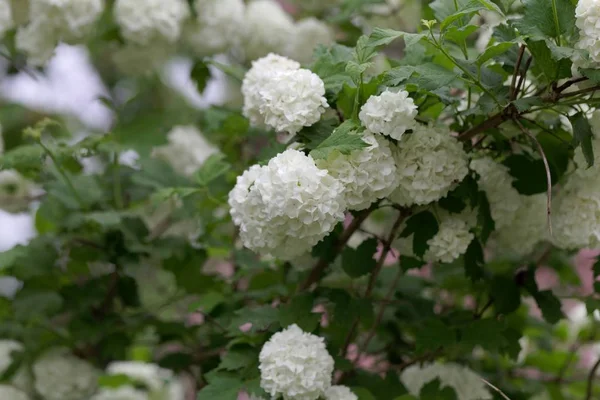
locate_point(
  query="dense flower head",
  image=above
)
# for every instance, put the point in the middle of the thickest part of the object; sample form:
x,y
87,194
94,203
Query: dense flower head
x,y
37,41
10,393
315,5
295,365
144,21
308,34
430,162
390,113
187,149
68,19
269,29
587,16
61,376
466,383
340,393
282,97
287,206
218,26
7,348
496,182
6,17
368,174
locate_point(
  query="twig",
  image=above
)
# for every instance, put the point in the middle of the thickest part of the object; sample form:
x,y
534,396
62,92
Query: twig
x,y
161,228
522,79
546,166
582,91
513,88
590,381
570,83
496,389
490,123
487,305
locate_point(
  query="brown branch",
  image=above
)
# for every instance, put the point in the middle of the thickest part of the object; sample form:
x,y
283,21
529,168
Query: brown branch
x,y
582,91
522,78
323,263
496,389
590,381
547,168
513,89
489,123
570,83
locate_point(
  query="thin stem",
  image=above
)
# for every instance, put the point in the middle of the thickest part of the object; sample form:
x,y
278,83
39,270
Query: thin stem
x,y
590,381
63,174
578,92
496,389
556,22
570,83
522,78
513,83
117,190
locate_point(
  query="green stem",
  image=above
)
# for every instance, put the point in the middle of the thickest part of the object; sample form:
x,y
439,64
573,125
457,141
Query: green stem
x,y
556,22
64,175
117,190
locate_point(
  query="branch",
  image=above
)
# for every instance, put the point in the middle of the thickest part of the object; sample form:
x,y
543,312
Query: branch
x,y
513,88
570,83
490,123
547,168
323,263
496,389
522,79
590,381
582,91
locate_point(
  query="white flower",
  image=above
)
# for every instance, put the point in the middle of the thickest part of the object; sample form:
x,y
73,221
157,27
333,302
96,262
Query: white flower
x,y
576,214
430,163
6,17
404,15
145,21
14,190
7,348
496,182
308,34
315,5
61,376
20,11
187,149
340,393
38,41
587,16
218,27
69,20
286,207
10,393
466,383
295,365
282,97
389,113
367,174
158,383
528,227
268,29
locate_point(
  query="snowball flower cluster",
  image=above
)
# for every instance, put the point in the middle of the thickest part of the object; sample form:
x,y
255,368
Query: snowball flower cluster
x,y
187,149
430,163
61,376
6,17
287,206
466,383
340,393
279,94
390,113
218,26
10,393
368,174
269,29
295,365
307,35
587,16
315,5
158,383
143,22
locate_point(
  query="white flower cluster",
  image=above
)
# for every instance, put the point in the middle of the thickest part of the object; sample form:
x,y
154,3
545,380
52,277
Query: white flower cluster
x,y
367,174
10,393
466,383
157,383
218,26
287,206
61,376
281,95
390,114
315,5
187,149
307,34
7,348
430,163
6,17
587,16
295,365
52,21
340,393
14,190
144,22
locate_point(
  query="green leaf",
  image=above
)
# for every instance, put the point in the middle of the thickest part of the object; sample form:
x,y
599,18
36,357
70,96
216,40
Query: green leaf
x,y
396,76
434,391
313,136
582,132
486,333
213,168
468,10
28,306
423,226
343,139
546,63
262,318
300,312
541,20
239,357
221,388
493,51
200,75
407,263
546,301
485,222
506,294
330,64
474,261
433,335
359,262
432,76
383,36
529,174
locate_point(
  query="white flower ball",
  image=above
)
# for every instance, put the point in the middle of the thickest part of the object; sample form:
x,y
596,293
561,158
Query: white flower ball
x,y
68,19
315,5
286,207
61,376
367,174
10,393
308,34
6,17
269,29
430,163
187,149
145,21
20,11
587,16
7,348
218,27
496,182
528,228
37,40
295,365
340,393
279,94
390,113
466,383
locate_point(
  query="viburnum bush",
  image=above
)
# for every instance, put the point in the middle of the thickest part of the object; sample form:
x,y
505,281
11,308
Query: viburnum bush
x,y
395,200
